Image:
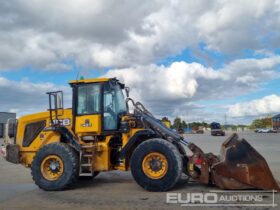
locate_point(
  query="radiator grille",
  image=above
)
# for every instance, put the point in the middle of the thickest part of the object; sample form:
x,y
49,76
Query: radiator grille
x,y
32,130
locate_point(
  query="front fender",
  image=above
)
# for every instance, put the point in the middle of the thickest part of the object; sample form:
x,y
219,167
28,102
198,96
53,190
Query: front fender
x,y
135,140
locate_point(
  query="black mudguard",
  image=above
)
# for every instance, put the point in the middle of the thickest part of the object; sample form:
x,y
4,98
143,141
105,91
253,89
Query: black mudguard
x,y
67,136
138,138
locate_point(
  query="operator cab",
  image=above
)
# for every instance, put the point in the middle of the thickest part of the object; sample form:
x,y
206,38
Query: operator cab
x,y
98,104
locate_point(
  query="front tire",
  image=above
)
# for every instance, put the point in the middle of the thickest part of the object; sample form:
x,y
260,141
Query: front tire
x,y
156,165
55,167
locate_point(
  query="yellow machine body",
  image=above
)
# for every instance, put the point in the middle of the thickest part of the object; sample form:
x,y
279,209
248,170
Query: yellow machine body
x,y
101,160
100,134
85,125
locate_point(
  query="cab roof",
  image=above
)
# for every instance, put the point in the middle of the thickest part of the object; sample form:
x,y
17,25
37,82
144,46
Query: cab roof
x,y
93,80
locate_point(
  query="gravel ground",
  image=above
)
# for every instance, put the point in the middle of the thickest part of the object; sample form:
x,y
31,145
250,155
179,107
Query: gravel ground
x,y
117,190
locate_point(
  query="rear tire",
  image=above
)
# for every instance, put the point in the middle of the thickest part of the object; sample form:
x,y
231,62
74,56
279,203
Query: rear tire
x,y
63,159
171,165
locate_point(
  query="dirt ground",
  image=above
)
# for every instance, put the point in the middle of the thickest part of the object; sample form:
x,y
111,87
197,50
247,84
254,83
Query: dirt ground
x,y
117,190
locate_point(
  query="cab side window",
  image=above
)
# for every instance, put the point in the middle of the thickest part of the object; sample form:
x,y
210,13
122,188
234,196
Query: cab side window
x,y
114,106
89,99
110,115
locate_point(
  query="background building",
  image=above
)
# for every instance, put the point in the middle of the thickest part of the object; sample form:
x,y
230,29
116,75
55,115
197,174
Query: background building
x,y
4,116
276,122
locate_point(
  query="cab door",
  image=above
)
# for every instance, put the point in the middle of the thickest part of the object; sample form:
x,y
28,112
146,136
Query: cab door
x,y
113,106
88,108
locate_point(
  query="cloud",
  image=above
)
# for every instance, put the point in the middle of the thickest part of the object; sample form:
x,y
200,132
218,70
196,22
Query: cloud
x,y
113,34
230,26
171,89
25,97
266,105
130,38
57,67
174,90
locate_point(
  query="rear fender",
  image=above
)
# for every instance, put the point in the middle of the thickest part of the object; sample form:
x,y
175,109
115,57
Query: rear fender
x,y
66,136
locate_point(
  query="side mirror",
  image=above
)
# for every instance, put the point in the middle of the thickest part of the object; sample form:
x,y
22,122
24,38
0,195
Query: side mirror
x,y
59,100
127,91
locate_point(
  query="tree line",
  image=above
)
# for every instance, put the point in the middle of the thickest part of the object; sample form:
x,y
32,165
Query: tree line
x,y
265,122
178,124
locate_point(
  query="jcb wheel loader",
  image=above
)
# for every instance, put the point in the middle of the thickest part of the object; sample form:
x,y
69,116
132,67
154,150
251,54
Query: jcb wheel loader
x,y
100,133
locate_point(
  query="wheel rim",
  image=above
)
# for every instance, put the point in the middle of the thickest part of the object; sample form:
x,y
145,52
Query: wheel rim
x,y
155,165
52,167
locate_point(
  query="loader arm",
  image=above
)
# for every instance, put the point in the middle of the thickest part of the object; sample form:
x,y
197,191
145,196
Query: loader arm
x,y
239,166
156,125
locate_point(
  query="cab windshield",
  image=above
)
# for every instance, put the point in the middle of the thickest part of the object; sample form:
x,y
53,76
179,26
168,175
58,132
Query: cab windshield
x,y
114,105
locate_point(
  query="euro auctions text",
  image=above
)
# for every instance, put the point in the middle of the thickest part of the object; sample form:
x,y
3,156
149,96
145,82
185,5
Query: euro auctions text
x,y
222,198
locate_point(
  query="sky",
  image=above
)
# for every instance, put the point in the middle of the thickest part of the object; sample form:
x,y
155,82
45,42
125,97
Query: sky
x,y
201,60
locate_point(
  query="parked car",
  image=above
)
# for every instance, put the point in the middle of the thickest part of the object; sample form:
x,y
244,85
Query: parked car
x,y
257,130
266,130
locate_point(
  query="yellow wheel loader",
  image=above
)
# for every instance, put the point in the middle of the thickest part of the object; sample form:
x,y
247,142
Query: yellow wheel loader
x,y
101,133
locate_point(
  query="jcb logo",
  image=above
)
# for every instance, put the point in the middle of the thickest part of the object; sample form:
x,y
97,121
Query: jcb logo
x,y
64,122
87,123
